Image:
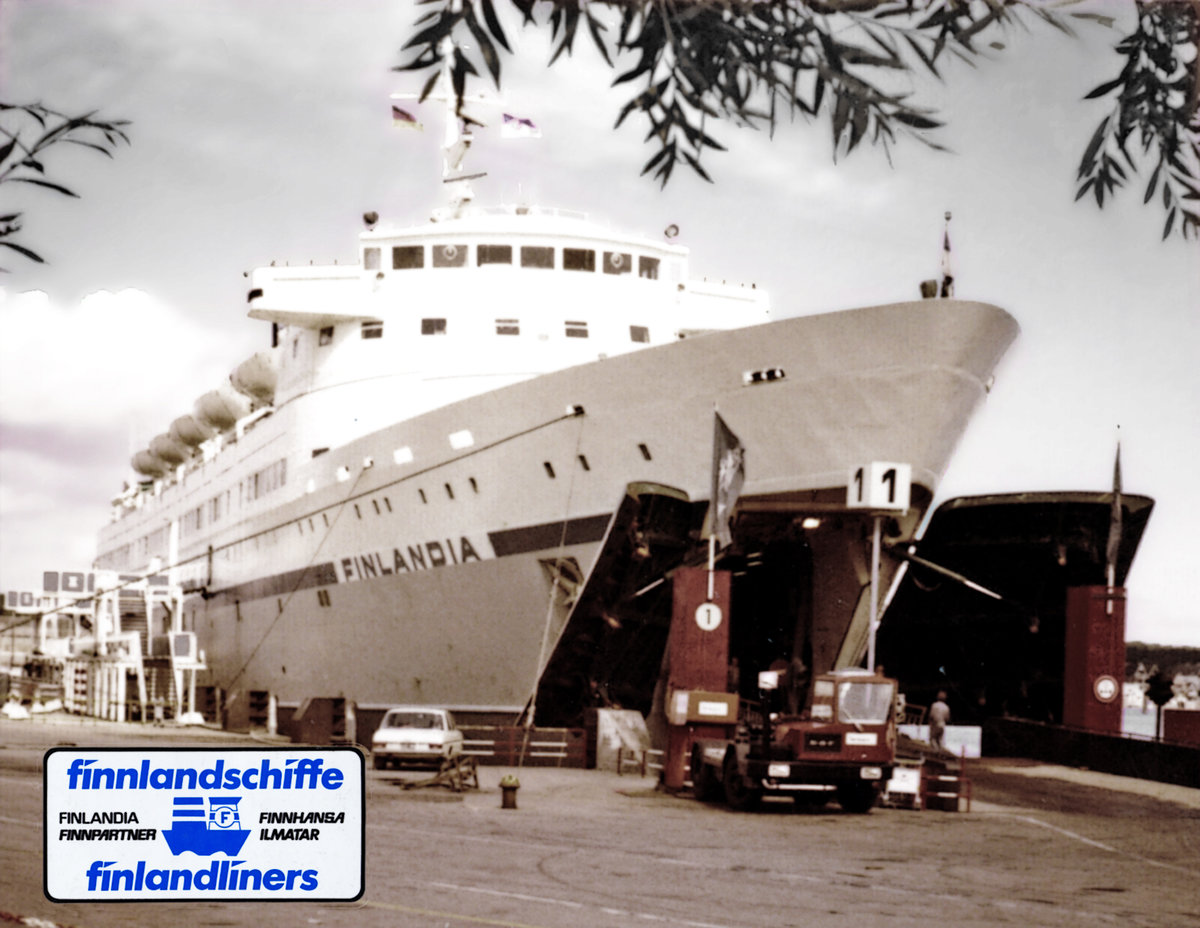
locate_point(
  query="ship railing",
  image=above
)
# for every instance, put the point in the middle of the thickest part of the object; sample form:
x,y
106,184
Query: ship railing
x,y
521,210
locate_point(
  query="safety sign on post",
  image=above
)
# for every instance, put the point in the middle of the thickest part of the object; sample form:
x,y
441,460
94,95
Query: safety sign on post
x,y
187,824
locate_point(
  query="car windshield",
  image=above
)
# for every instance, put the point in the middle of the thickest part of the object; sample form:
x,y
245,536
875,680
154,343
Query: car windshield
x,y
407,719
865,702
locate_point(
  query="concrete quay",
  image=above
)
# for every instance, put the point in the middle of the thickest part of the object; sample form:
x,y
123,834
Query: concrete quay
x,y
1042,845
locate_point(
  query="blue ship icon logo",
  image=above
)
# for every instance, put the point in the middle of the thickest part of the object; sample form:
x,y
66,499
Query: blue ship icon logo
x,y
206,834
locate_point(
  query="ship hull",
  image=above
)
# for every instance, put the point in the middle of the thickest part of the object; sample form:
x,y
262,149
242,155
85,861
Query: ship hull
x,y
436,581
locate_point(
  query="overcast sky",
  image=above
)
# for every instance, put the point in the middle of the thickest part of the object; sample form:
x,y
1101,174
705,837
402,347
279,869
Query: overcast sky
x,y
261,131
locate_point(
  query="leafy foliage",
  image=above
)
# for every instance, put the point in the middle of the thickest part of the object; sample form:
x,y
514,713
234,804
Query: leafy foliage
x,y
1156,108
693,63
26,133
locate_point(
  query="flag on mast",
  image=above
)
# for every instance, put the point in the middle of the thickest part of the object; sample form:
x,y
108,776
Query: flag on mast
x,y
728,475
1114,523
518,127
405,120
947,276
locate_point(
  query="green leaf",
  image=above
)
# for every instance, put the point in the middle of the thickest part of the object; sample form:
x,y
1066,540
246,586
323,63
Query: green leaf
x,y
695,163
486,48
596,28
1153,183
1089,154
21,249
45,183
1106,88
493,24
915,120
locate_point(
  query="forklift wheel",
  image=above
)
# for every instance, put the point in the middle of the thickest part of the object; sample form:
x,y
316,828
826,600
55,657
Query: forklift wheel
x,y
705,785
740,797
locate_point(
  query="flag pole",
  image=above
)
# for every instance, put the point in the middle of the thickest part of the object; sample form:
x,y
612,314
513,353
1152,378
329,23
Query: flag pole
x,y
1115,528
712,526
712,563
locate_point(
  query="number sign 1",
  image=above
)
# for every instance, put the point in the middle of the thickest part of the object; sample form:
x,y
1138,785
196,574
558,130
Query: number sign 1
x,y
879,485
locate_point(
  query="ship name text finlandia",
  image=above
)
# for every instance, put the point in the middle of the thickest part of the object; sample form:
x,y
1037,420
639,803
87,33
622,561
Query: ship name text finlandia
x,y
410,558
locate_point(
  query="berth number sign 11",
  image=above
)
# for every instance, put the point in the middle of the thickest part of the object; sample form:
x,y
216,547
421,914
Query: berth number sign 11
x,y
879,485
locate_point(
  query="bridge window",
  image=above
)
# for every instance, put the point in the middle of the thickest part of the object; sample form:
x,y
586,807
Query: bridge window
x,y
325,336
494,254
537,256
433,326
407,257
371,259
373,329
639,333
616,262
449,255
579,259
577,330
648,267
508,327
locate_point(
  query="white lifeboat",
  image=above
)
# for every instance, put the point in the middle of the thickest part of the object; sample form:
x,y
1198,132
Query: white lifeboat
x,y
220,409
148,464
187,431
167,450
255,377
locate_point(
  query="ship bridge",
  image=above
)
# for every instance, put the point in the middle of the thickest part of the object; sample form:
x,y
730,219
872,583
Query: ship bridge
x,y
442,311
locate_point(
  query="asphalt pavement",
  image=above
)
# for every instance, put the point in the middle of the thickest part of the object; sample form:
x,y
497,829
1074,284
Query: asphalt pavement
x,y
1042,845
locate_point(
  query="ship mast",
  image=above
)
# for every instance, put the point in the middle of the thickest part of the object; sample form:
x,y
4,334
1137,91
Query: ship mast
x,y
456,140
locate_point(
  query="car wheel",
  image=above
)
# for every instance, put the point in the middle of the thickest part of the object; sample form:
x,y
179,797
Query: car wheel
x,y
379,762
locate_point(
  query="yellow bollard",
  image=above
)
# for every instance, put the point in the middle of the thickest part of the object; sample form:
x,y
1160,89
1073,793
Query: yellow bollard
x,y
509,785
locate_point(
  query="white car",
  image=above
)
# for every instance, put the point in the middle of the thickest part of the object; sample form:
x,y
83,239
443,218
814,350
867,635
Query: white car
x,y
415,735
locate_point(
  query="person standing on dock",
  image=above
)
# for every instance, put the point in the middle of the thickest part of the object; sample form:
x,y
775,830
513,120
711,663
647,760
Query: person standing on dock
x,y
939,718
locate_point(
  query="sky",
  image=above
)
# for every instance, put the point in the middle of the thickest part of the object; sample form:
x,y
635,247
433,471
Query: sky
x,y
261,131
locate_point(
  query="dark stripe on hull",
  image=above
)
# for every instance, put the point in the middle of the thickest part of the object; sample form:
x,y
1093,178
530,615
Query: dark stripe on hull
x,y
548,535
302,579
504,543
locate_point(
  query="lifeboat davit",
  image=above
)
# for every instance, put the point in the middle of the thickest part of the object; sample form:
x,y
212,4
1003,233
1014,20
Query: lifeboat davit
x,y
187,431
167,450
255,377
148,464
220,409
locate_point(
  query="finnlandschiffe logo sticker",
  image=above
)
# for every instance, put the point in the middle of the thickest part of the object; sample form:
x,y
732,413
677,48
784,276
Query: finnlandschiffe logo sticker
x,y
232,824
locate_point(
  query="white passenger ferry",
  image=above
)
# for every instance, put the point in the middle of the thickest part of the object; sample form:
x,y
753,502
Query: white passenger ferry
x,y
403,498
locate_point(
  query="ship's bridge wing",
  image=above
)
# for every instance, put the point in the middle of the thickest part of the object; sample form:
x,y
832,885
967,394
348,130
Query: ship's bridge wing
x,y
309,319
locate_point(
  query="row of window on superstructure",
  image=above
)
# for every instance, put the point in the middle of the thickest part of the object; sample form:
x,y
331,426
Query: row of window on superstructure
x,y
572,328
254,487
414,257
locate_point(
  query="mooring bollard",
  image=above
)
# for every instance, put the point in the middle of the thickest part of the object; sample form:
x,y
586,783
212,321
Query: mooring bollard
x,y
509,785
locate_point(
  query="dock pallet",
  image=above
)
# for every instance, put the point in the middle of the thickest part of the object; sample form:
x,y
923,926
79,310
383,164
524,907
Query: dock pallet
x,y
457,773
